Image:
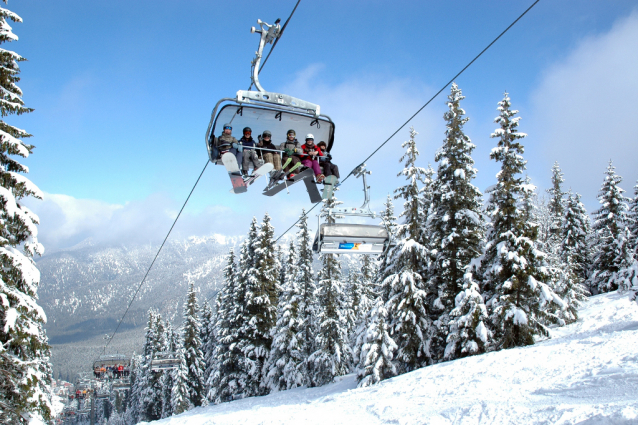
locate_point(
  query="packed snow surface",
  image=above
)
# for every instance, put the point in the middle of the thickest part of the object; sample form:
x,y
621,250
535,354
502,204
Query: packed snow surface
x,y
587,373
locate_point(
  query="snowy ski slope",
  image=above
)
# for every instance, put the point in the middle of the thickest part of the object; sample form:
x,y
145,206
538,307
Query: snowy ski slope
x,y
587,373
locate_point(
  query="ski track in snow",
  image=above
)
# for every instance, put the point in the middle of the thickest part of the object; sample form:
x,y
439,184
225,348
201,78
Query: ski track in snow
x,y
587,373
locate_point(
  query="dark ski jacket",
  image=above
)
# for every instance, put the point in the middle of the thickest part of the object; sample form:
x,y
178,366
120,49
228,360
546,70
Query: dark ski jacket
x,y
269,145
250,142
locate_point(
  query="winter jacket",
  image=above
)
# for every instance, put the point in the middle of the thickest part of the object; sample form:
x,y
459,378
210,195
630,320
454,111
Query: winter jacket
x,y
305,149
225,139
294,146
250,142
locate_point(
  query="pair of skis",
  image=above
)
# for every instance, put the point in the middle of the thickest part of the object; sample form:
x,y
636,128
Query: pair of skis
x,y
240,185
306,175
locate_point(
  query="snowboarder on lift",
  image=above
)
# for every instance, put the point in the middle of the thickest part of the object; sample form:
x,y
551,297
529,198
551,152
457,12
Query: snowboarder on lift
x,y
325,161
310,155
227,143
249,155
292,149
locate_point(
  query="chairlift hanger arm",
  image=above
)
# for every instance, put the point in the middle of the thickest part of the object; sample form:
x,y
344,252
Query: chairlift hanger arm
x,y
268,35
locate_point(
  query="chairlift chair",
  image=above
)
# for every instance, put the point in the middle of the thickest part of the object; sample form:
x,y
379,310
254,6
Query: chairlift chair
x,y
112,360
262,110
348,238
164,361
121,385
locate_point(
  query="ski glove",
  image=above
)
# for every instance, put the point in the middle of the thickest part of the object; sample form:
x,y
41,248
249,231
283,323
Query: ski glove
x,y
289,152
239,147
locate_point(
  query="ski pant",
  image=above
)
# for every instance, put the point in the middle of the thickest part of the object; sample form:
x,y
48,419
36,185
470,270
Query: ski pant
x,y
330,169
274,159
295,160
250,158
237,154
312,164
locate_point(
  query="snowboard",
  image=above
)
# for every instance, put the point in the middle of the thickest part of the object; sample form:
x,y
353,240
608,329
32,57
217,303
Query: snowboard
x,y
329,184
311,187
287,183
230,162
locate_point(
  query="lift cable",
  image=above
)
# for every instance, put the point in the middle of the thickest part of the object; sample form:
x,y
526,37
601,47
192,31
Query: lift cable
x,y
419,110
185,202
153,262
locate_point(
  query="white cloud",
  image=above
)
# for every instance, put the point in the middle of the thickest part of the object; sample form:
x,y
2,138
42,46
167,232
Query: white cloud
x,y
585,112
66,221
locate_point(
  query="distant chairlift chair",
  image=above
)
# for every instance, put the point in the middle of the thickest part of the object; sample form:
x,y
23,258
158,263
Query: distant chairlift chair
x,y
164,361
347,238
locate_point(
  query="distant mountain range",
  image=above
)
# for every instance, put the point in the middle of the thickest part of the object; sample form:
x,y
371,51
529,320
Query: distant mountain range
x,y
86,289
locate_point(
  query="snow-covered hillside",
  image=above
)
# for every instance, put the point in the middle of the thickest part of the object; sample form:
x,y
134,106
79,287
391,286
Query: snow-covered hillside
x,y
587,373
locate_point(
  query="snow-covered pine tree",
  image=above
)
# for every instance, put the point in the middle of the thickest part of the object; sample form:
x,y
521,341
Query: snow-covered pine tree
x,y
627,276
376,354
468,333
285,364
227,357
571,290
207,336
359,292
556,199
193,349
403,274
307,287
455,225
181,400
368,273
168,377
25,392
576,227
133,402
610,224
261,309
332,356
150,383
633,220
389,220
513,269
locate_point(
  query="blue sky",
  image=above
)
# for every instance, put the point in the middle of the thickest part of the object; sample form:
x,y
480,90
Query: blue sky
x,y
123,92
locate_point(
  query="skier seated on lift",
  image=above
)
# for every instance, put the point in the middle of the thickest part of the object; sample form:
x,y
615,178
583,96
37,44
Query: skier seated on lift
x,y
292,149
250,155
325,161
271,157
227,143
310,155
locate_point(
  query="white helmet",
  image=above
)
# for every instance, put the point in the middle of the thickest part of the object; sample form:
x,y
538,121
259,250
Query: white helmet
x,y
310,136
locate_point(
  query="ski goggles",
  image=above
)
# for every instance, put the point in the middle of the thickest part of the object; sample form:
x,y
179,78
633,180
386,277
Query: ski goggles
x,y
228,128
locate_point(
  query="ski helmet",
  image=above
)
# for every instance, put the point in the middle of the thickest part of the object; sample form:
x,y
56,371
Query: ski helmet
x,y
310,136
291,131
227,125
247,129
266,133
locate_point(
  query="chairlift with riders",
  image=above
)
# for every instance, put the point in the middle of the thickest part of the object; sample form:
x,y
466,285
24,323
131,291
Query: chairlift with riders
x,y
262,110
